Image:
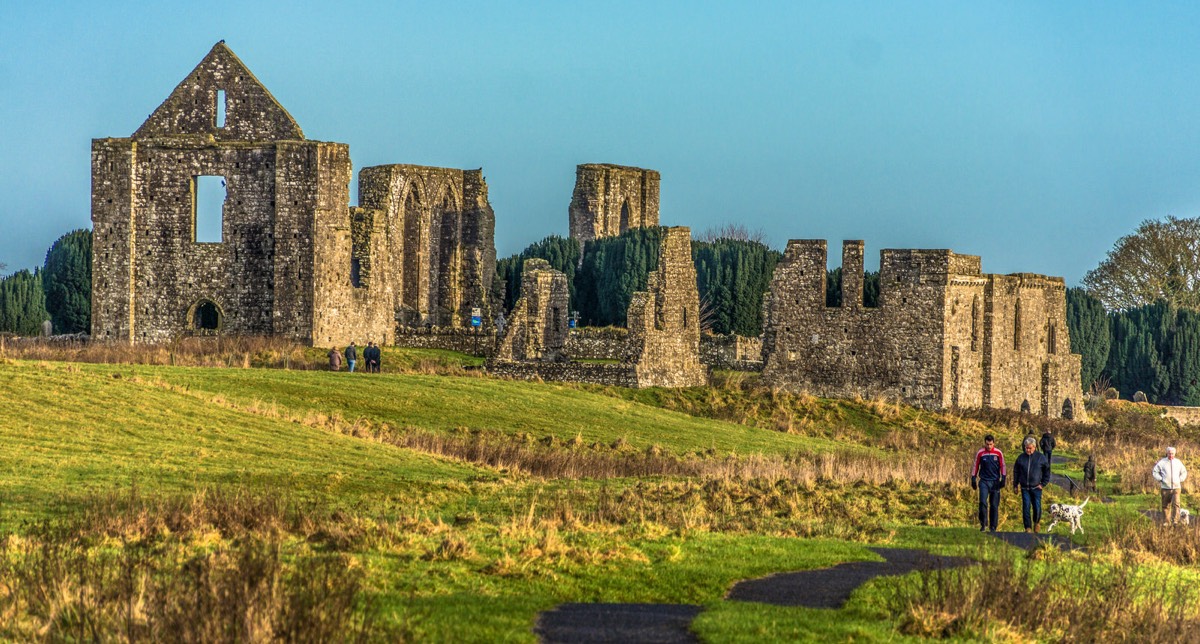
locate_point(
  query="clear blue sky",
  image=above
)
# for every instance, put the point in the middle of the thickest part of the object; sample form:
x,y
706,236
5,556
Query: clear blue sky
x,y
1033,134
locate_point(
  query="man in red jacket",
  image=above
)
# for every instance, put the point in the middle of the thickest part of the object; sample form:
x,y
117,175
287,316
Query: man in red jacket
x,y
988,476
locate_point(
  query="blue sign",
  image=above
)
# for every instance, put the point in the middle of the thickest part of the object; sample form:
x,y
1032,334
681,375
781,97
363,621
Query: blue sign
x,y
476,320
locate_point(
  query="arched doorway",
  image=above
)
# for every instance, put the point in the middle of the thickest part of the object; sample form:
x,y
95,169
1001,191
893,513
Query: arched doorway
x,y
624,223
205,317
1068,410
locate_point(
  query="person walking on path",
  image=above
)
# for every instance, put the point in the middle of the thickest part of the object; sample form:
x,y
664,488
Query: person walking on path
x,y
1170,474
376,357
351,356
1048,444
988,476
335,359
1089,474
1031,473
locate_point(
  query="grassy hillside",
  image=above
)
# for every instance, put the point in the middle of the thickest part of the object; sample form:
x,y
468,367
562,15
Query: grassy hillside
x,y
411,506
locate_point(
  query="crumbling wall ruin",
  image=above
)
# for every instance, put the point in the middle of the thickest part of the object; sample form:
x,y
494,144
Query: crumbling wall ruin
x,y
440,231
537,328
662,347
664,320
610,199
291,258
944,335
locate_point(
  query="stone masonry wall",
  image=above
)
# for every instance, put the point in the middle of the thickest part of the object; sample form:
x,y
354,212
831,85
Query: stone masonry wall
x,y
610,199
664,320
440,232
293,259
941,337
537,328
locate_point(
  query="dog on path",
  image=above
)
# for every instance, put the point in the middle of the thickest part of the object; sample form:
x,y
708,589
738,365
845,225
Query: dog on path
x,y
1072,514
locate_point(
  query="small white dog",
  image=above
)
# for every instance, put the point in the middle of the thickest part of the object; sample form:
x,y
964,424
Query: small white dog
x,y
1185,517
1072,514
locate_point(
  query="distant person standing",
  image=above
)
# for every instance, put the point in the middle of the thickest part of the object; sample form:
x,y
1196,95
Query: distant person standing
x,y
988,476
335,359
376,357
351,356
1089,474
1170,474
1031,473
1048,444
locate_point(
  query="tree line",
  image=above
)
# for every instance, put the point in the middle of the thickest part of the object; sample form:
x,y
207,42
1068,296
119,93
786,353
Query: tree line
x,y
732,274
60,290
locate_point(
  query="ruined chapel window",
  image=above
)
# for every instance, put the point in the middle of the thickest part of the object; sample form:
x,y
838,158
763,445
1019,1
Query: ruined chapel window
x,y
1068,410
220,120
685,320
1052,340
975,324
208,209
355,272
624,217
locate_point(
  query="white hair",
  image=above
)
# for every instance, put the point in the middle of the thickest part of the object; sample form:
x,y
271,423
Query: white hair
x,y
1029,440
1171,451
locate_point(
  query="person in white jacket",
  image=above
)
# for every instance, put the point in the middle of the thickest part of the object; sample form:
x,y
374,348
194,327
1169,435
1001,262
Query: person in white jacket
x,y
1170,474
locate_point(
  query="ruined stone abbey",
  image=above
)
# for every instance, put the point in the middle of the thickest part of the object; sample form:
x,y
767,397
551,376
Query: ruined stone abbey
x,y
288,256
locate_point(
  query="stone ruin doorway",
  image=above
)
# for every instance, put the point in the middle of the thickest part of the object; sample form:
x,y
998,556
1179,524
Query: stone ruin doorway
x,y
206,318
1068,409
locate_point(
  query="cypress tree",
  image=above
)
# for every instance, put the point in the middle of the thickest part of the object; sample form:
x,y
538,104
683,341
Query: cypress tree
x,y
1091,336
67,281
22,303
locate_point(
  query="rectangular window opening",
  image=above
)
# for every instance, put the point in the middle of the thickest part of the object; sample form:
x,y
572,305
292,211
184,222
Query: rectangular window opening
x,y
208,208
220,108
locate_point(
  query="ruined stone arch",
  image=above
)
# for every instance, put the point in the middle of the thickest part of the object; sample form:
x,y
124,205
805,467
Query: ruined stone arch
x,y
623,224
1068,409
411,248
205,316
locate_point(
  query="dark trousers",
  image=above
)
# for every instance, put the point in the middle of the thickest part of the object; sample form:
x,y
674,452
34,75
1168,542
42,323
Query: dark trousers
x,y
1049,453
1031,507
989,504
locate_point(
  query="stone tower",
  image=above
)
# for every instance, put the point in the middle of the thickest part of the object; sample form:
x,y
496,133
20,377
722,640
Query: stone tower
x,y
610,199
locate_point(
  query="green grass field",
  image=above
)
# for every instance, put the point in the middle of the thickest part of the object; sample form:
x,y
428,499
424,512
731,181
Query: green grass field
x,y
456,537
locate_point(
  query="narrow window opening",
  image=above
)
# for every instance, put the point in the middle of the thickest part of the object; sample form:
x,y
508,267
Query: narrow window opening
x,y
870,294
355,273
220,108
554,314
624,224
1052,340
208,208
1017,326
685,319
833,288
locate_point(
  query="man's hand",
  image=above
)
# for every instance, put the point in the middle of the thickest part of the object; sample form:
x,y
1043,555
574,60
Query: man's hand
x,y
974,483
1003,481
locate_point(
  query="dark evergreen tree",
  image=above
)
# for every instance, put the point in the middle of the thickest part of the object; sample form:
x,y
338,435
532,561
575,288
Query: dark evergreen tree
x,y
613,269
562,253
1088,325
732,277
833,288
67,281
22,303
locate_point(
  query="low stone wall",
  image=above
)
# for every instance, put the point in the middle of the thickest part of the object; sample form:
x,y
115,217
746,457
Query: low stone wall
x,y
462,340
597,343
1183,415
735,352
617,375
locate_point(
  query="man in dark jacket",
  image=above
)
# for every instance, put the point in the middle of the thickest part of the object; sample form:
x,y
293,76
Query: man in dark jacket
x,y
1031,473
1089,474
1048,445
351,356
988,476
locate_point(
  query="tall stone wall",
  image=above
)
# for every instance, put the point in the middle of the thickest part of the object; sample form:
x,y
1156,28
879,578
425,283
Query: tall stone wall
x,y
440,232
537,328
150,275
664,320
610,199
292,259
941,336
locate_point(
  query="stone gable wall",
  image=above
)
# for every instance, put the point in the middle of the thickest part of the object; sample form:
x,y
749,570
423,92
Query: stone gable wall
x,y
294,259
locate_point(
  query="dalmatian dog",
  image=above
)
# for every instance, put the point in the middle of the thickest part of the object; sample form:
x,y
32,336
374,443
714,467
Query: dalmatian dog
x,y
1072,514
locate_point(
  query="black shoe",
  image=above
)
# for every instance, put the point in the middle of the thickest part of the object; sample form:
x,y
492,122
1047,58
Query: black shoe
x,y
982,529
